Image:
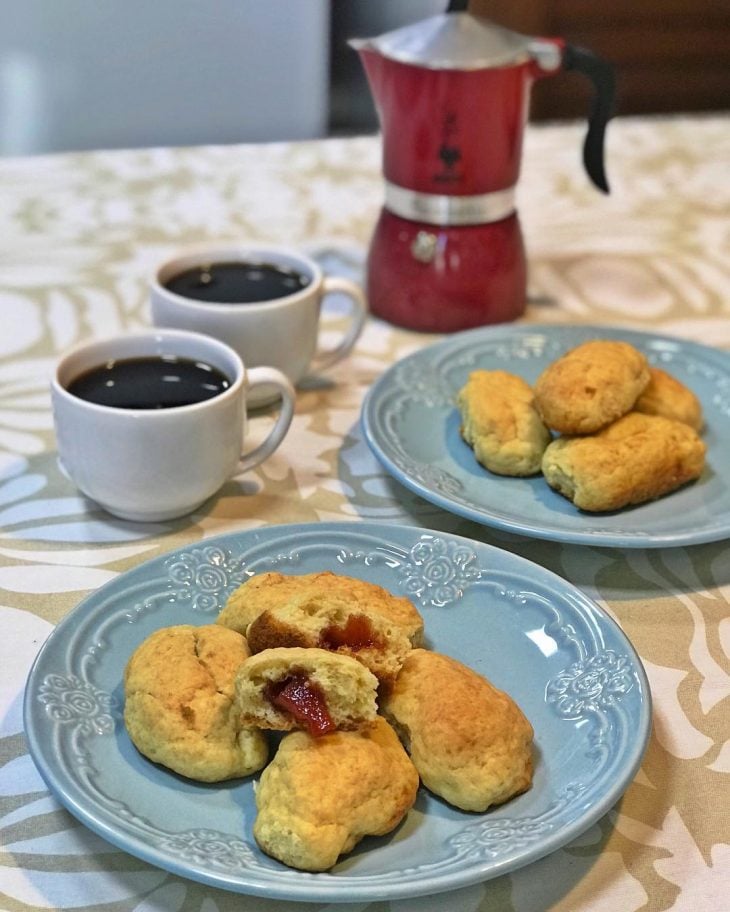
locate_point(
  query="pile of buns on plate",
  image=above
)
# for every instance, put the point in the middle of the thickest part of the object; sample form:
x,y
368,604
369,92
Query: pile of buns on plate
x,y
628,432
366,713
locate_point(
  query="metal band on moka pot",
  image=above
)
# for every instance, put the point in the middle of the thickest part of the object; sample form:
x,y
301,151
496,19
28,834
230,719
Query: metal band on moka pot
x,y
440,209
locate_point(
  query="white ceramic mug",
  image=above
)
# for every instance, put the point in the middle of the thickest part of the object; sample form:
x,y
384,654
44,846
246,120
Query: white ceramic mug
x,y
157,464
281,332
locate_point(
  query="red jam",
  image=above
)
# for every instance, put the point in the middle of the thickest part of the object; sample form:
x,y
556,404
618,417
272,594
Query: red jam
x,y
300,698
356,634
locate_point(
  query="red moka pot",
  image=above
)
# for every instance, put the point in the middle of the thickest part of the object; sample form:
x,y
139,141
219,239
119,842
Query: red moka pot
x,y
452,95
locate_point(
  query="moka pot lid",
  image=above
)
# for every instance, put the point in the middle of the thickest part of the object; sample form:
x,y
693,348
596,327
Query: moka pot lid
x,y
452,41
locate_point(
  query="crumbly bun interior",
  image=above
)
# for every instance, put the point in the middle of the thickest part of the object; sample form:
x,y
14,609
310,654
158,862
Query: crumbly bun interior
x,y
346,688
326,620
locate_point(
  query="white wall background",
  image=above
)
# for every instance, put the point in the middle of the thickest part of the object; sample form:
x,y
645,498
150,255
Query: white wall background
x,y
79,74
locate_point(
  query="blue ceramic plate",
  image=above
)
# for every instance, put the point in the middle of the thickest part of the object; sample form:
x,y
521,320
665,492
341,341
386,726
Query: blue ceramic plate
x,y
412,426
564,660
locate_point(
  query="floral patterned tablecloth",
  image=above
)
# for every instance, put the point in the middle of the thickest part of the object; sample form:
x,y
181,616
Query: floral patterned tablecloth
x,y
80,235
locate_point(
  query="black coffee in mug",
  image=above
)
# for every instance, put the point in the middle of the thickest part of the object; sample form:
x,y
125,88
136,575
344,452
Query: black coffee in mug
x,y
237,282
152,382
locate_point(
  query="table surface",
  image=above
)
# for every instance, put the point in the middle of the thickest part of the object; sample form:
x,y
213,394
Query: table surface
x,y
81,233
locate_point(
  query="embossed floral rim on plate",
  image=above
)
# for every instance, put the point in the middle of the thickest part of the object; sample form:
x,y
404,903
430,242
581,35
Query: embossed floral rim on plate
x,y
411,424
561,657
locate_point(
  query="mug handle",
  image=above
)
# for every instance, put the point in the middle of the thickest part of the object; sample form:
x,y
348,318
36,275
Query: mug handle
x,y
358,313
273,377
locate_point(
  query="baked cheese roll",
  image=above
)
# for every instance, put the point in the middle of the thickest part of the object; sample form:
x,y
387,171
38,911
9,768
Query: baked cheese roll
x,y
320,691
500,423
635,459
326,620
271,590
590,386
666,396
179,703
469,741
320,796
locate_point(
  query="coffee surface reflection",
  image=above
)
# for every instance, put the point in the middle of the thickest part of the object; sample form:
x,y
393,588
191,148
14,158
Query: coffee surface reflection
x,y
237,282
151,382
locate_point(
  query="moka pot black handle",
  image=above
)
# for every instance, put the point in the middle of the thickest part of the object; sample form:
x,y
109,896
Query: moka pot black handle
x,y
601,74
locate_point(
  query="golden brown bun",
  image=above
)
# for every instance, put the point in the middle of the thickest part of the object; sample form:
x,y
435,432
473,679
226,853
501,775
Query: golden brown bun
x,y
270,590
667,397
326,620
344,688
470,742
501,424
320,796
179,708
635,459
590,386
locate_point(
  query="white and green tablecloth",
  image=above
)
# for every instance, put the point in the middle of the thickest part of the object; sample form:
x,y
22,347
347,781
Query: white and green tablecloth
x,y
80,235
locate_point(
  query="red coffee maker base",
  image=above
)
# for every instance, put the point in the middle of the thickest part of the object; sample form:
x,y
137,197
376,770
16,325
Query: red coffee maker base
x,y
438,280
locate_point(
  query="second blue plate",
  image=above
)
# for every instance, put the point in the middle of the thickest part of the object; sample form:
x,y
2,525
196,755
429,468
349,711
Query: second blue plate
x,y
411,424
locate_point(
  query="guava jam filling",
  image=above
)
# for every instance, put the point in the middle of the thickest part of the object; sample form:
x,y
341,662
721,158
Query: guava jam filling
x,y
356,634
300,698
